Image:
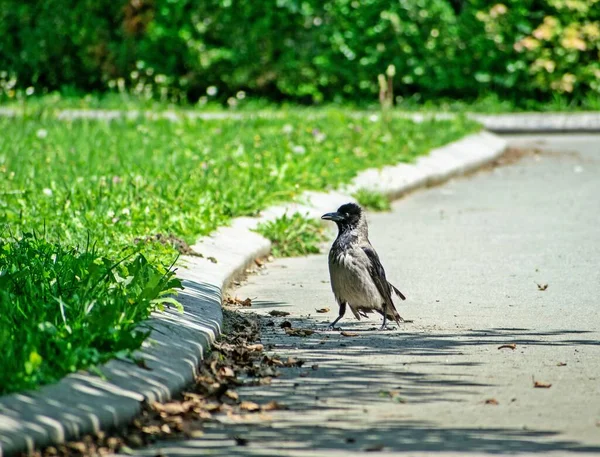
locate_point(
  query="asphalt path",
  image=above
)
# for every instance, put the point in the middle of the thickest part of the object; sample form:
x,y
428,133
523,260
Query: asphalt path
x,y
501,271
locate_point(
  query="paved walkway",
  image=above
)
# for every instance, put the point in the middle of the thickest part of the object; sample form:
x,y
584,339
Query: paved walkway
x,y
469,255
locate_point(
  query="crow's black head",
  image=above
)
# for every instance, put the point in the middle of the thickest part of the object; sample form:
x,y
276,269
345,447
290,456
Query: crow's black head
x,y
347,215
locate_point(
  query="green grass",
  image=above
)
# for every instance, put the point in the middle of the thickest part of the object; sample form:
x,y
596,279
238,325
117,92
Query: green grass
x,y
63,308
489,104
372,200
123,179
293,235
55,101
127,184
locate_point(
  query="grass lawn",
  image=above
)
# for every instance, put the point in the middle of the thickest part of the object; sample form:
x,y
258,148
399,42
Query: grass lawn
x,y
489,104
99,194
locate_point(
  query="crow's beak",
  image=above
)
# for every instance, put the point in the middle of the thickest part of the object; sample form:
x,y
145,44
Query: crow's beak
x,y
335,217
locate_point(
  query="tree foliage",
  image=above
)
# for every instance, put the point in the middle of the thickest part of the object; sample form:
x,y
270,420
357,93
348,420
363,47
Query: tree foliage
x,y
303,50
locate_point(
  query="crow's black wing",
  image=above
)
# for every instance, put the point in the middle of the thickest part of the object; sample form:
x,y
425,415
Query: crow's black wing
x,y
378,275
400,294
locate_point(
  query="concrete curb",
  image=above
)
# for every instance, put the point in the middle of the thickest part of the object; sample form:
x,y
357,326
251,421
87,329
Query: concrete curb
x,y
82,403
540,122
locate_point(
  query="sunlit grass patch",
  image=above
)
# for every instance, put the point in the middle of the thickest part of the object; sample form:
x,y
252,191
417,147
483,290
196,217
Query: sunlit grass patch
x,y
62,309
375,201
293,235
155,186
134,178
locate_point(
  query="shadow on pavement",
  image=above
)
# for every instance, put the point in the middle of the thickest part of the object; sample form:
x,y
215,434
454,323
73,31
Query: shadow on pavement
x,y
324,417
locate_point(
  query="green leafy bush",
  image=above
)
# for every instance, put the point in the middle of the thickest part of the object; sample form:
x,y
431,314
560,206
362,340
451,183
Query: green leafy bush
x,y
62,309
303,50
548,47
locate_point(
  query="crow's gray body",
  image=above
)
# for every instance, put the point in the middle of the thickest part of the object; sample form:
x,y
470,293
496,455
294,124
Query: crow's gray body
x,y
357,276
349,283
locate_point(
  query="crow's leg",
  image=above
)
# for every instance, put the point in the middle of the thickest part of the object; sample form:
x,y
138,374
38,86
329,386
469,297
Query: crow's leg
x,y
383,327
340,315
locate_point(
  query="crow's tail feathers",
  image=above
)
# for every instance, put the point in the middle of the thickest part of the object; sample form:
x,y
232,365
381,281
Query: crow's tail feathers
x,y
400,294
392,314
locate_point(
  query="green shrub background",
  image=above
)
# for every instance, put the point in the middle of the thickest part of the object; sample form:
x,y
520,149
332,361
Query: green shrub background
x,y
302,50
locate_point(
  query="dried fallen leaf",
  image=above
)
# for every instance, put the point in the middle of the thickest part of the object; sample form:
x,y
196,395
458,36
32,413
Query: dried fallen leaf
x,y
349,334
512,346
274,406
277,313
272,361
78,446
236,417
299,332
226,372
212,407
542,286
561,364
236,301
491,401
151,430
249,406
232,394
292,362
255,347
286,324
113,443
171,408
541,384
323,310
258,262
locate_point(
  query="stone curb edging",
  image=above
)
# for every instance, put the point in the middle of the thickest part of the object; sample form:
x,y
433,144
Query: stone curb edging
x,y
441,164
583,122
82,403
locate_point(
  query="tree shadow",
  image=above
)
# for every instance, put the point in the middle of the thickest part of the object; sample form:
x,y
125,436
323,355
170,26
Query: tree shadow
x,y
323,416
294,440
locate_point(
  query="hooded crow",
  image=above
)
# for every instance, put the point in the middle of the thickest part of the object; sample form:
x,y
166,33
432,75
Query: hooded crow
x,y
357,276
